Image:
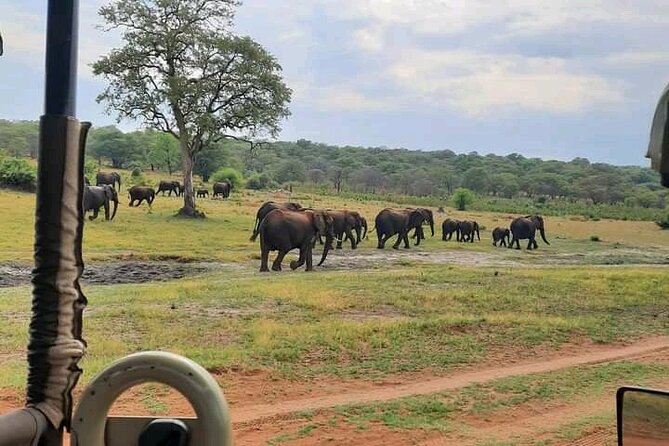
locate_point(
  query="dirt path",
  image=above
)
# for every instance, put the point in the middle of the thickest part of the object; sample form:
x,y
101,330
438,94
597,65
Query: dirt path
x,y
254,413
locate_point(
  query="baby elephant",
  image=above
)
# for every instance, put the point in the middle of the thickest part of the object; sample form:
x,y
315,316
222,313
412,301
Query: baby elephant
x,y
501,235
201,193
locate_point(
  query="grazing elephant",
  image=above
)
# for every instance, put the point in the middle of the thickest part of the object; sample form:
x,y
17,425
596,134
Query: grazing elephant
x,y
469,229
398,221
284,230
96,197
222,189
268,207
169,186
501,235
141,193
525,228
448,227
201,193
110,178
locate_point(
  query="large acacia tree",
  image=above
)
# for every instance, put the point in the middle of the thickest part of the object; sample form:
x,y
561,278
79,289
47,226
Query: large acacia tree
x,y
182,71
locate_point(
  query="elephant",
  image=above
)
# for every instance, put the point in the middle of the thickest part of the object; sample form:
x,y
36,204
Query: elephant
x,y
96,197
345,222
501,236
525,228
110,178
469,229
169,186
268,207
141,193
429,219
202,192
222,189
448,227
284,230
398,221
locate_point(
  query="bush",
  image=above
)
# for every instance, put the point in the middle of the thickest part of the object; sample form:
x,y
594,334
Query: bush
x,y
91,169
136,171
595,238
18,174
663,223
259,181
462,198
228,173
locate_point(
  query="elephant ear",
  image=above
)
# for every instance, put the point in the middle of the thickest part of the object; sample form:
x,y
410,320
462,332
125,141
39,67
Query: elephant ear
x,y
319,221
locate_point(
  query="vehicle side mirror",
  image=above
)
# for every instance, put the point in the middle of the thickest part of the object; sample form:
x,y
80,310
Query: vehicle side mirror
x,y
643,417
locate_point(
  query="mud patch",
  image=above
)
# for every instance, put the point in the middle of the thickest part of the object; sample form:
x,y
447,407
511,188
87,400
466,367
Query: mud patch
x,y
115,272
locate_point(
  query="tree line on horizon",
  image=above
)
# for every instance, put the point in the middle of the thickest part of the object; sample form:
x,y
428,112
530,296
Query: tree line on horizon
x,y
366,170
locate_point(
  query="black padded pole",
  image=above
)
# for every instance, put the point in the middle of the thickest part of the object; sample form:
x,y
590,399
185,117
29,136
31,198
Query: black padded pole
x,y
61,57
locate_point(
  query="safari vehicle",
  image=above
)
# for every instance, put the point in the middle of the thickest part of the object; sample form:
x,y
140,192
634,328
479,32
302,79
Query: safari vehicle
x,y
56,338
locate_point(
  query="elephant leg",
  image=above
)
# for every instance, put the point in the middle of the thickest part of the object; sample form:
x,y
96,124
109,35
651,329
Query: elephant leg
x,y
300,261
309,259
400,237
276,266
530,245
95,214
382,242
352,238
264,257
106,210
405,237
339,236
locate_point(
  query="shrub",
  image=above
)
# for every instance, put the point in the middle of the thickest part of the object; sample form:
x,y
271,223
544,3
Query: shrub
x,y
228,173
136,171
18,174
595,238
663,223
259,181
91,169
462,198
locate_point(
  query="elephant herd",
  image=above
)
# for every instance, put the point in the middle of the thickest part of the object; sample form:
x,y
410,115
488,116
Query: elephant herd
x,y
283,227
105,192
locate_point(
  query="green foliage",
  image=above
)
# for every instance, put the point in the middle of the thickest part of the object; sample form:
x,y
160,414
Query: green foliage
x,y
17,174
112,144
164,152
19,138
228,173
91,169
291,171
260,181
664,222
462,198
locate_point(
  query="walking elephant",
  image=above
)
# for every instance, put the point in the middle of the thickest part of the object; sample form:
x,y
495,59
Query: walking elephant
x,y
345,222
268,207
284,230
202,192
169,186
525,228
469,229
429,219
390,222
110,178
448,228
96,197
141,193
501,236
222,189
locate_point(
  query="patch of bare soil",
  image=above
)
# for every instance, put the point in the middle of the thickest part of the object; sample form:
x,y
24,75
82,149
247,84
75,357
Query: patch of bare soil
x,y
114,272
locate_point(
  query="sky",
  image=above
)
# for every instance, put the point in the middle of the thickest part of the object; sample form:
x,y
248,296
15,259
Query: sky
x,y
544,78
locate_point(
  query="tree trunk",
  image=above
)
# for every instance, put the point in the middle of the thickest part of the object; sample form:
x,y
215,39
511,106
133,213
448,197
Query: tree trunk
x,y
188,210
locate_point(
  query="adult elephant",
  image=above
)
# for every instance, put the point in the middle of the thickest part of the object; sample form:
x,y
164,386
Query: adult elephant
x,y
450,227
345,222
429,219
284,230
525,228
501,236
222,189
141,193
110,178
400,222
469,229
169,186
96,197
360,228
268,207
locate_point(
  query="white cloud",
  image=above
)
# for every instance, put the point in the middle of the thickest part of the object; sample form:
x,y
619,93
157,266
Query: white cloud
x,y
634,59
479,83
344,98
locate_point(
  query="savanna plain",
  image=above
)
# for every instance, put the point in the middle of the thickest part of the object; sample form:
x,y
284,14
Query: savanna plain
x,y
444,343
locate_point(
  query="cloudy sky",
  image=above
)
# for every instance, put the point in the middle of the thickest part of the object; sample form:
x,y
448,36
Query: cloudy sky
x,y
545,78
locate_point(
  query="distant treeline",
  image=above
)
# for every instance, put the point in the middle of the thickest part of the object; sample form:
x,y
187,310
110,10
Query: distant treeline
x,y
504,183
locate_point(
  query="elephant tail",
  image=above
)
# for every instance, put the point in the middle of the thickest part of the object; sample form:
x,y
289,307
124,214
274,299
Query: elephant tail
x,y
255,230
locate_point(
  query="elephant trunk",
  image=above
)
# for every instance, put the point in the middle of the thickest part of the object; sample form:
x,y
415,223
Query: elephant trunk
x,y
432,227
326,249
364,232
543,235
115,208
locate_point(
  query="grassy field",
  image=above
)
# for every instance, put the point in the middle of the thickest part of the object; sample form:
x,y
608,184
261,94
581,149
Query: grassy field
x,y
367,314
